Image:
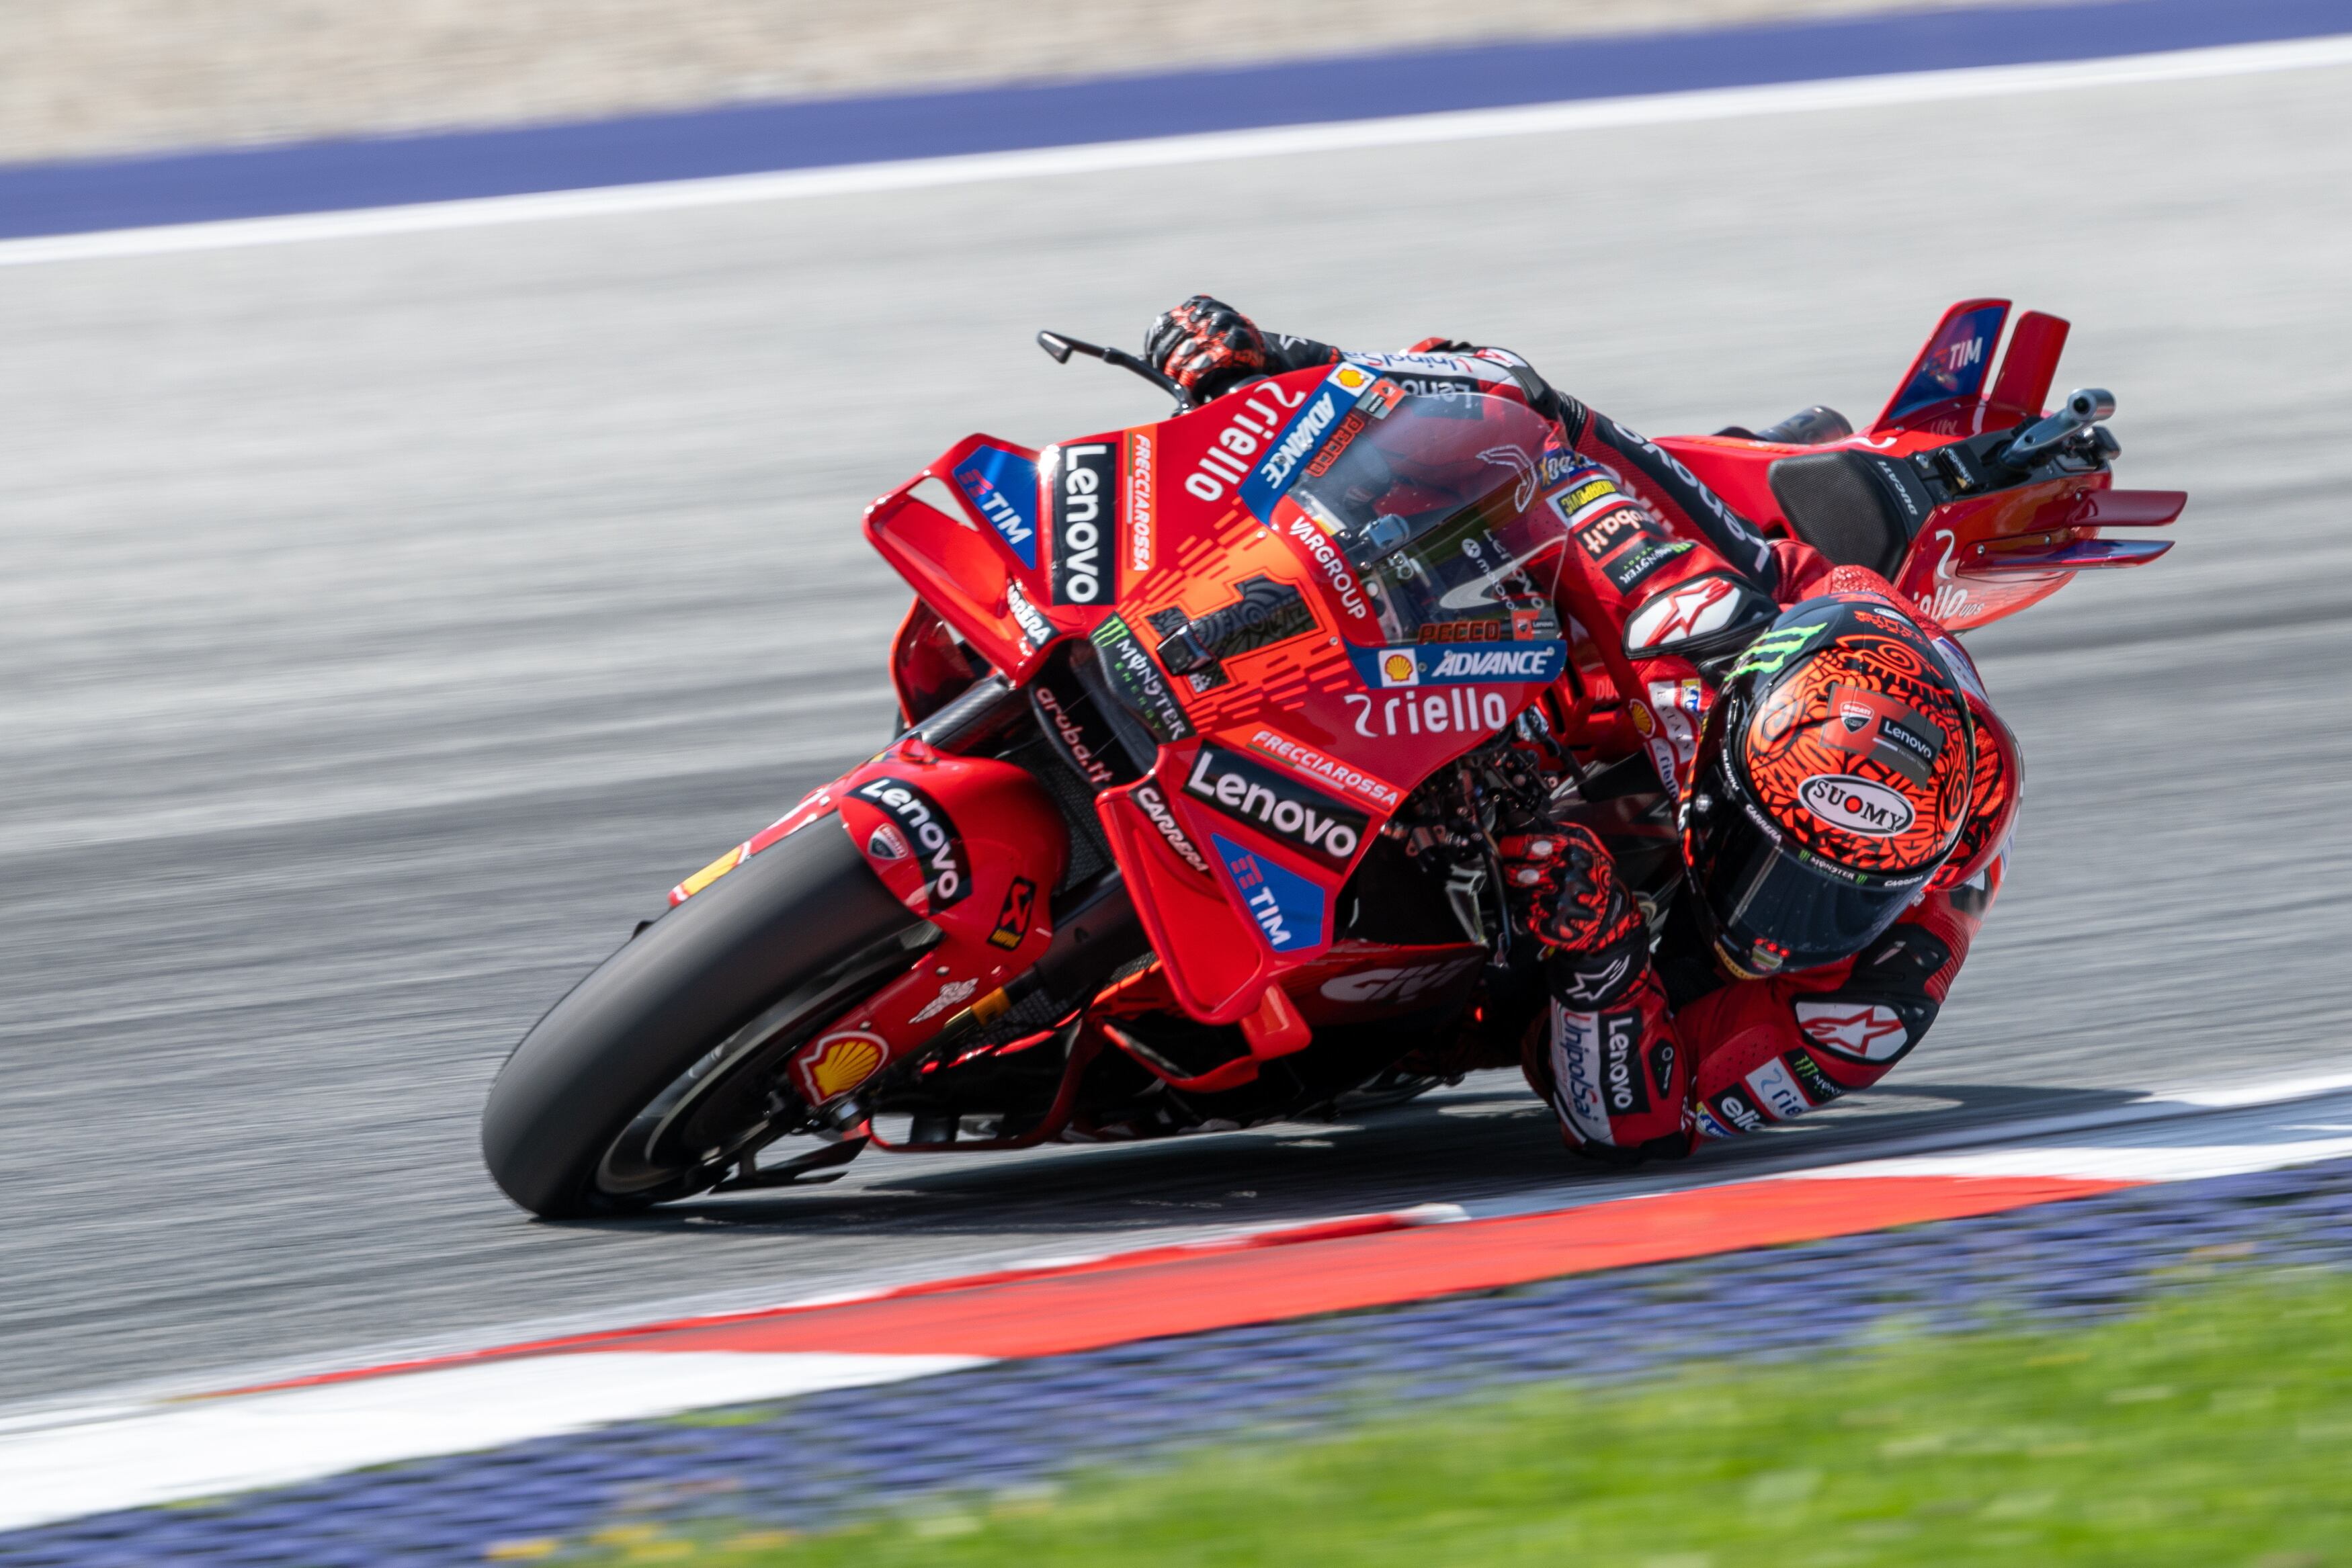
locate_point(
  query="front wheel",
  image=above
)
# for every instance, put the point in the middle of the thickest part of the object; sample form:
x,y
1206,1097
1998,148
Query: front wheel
x,y
661,1067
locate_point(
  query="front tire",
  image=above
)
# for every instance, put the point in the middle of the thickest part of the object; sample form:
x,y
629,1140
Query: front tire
x,y
645,1081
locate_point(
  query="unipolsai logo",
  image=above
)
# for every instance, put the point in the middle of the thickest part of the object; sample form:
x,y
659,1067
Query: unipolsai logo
x,y
1855,805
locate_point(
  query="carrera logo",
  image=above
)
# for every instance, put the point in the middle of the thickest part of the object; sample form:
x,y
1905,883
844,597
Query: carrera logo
x,y
1034,625
1306,820
1012,920
1855,805
1155,809
935,839
1083,479
1254,422
841,1063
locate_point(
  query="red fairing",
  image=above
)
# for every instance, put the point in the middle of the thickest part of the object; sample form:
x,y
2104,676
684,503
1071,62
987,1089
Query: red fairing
x,y
974,846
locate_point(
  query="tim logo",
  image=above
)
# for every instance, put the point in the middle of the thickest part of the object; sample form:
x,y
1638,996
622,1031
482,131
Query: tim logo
x,y
1855,805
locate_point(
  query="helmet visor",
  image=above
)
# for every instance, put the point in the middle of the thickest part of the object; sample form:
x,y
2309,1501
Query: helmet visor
x,y
1774,908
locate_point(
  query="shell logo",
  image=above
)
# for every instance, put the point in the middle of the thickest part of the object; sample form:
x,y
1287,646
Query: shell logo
x,y
841,1063
1352,378
1399,667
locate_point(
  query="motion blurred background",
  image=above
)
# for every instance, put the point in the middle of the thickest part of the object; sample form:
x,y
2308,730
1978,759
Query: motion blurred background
x,y
95,77
387,619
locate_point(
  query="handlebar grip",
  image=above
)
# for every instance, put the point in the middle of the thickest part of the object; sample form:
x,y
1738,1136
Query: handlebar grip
x,y
2083,407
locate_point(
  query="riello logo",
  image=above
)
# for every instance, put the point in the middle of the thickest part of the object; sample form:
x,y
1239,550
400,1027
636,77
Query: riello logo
x,y
1855,805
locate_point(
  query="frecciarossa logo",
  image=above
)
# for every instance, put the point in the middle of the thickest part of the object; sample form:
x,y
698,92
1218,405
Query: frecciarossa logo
x,y
1306,820
926,832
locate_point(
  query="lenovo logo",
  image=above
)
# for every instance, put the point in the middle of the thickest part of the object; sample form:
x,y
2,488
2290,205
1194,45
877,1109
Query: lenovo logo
x,y
1082,490
1306,820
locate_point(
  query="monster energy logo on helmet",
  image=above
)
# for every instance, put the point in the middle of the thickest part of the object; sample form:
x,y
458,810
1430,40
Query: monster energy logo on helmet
x,y
1770,653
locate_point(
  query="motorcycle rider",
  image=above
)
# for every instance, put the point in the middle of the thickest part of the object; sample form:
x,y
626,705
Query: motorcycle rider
x,y
1844,790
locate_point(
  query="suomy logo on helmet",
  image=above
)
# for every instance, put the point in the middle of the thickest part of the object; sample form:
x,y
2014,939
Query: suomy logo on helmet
x,y
1855,805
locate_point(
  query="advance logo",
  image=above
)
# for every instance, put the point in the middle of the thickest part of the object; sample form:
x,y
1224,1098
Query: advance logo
x,y
1306,820
1003,487
1085,477
1288,907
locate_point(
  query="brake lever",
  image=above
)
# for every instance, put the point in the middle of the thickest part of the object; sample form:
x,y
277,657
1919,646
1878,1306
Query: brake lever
x,y
1061,347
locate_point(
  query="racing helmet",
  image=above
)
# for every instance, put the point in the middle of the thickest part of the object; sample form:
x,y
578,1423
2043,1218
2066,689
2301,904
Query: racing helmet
x,y
1832,781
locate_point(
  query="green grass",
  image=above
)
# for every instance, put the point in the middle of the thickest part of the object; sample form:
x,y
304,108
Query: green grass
x,y
2214,1429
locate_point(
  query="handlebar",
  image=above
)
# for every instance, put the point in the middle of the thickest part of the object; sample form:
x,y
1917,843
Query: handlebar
x,y
1062,346
2083,407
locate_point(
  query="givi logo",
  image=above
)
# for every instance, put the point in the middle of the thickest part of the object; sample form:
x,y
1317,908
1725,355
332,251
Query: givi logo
x,y
1855,805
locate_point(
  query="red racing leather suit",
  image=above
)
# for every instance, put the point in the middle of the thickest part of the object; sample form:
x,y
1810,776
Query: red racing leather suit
x,y
1650,1057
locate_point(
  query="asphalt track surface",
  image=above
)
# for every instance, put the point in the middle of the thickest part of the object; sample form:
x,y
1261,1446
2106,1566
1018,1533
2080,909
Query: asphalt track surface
x,y
386,622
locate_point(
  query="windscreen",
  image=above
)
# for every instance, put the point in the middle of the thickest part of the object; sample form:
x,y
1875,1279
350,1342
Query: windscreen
x,y
1435,500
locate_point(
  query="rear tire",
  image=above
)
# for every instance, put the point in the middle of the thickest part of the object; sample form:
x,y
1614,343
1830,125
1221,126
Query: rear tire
x,y
591,1114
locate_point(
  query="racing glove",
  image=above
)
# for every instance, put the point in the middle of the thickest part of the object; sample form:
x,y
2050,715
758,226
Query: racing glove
x,y
1565,889
1205,346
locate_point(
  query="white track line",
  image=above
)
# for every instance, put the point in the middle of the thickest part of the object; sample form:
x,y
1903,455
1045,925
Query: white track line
x,y
129,1452
139,1458
859,179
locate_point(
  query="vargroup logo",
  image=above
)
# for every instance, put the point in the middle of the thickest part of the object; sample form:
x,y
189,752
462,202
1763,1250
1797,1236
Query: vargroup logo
x,y
1083,485
1306,820
1399,667
926,827
1855,805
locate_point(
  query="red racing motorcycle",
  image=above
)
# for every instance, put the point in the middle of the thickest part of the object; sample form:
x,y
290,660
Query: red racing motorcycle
x,y
1207,726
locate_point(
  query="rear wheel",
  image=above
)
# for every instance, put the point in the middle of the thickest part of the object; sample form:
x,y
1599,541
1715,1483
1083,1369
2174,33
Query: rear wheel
x,y
663,1067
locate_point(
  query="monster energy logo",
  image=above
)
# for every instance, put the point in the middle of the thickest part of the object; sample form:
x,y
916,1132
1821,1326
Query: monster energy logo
x,y
1770,653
